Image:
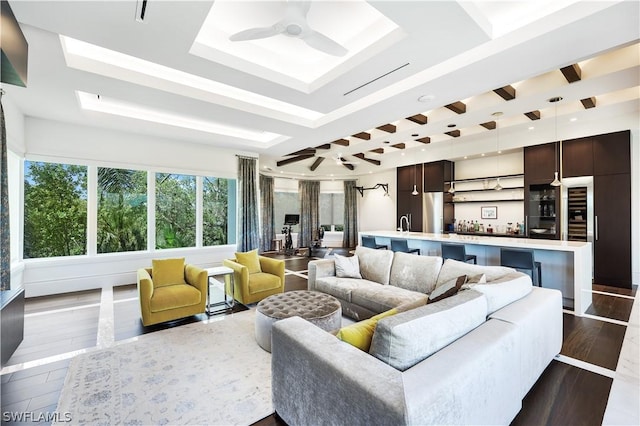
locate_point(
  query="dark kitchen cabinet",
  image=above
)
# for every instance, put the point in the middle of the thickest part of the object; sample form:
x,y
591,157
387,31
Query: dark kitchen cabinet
x,y
540,162
612,229
407,203
577,157
437,175
611,153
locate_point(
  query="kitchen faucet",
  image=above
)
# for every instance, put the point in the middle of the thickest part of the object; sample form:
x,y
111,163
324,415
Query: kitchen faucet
x,y
406,218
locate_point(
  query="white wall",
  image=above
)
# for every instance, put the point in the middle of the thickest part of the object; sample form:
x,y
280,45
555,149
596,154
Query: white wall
x,y
375,211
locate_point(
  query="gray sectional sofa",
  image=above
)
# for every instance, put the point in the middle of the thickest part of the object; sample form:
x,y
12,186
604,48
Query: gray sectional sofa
x,y
468,359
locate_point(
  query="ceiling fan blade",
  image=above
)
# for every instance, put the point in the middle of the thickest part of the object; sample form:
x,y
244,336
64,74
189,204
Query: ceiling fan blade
x,y
256,33
323,43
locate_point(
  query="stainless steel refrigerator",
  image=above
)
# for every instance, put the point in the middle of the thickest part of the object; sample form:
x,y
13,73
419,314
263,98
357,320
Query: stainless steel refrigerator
x,y
433,212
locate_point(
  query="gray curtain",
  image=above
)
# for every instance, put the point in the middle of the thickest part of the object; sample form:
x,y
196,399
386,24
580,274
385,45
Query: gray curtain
x,y
309,211
5,243
350,234
248,234
268,232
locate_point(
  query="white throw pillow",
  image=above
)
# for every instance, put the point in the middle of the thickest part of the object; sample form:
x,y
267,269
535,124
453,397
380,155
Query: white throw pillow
x,y
347,267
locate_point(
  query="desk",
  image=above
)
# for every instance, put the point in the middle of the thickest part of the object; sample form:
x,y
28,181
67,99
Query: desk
x,y
215,272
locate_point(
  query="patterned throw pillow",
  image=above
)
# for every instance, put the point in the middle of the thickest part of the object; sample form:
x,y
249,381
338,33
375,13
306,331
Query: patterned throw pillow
x,y
250,260
347,267
447,289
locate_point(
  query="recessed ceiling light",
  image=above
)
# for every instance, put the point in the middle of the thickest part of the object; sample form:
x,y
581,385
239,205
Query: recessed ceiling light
x,y
422,150
414,135
386,142
482,155
281,172
426,98
402,153
573,119
451,125
370,172
555,99
465,157
531,127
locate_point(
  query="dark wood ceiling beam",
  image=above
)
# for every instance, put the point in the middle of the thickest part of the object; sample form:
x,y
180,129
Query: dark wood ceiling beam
x,y
324,146
507,92
341,142
572,73
418,119
399,145
316,163
389,128
489,125
377,150
426,139
293,160
362,135
306,151
588,102
453,133
370,160
347,165
533,115
457,107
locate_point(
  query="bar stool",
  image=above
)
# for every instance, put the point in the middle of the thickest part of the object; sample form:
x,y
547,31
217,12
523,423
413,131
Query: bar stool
x,y
457,252
371,243
403,246
522,259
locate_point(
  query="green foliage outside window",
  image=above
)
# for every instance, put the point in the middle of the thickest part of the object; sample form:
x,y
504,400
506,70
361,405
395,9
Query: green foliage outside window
x,y
215,211
122,210
55,210
175,210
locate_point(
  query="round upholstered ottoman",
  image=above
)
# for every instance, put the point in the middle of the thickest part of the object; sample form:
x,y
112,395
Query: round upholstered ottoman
x,y
318,308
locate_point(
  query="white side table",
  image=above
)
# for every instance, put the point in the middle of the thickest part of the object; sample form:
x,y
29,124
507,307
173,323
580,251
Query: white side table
x,y
215,272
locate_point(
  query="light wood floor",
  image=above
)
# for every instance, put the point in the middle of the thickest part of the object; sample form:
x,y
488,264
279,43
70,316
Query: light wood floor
x,y
58,327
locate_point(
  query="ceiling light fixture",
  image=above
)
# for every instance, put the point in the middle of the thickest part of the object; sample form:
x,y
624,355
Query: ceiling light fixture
x,y
556,181
415,189
497,115
91,102
426,98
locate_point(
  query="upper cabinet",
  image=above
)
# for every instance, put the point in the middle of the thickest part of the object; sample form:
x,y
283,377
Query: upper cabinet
x,y
599,155
436,174
540,162
577,157
409,176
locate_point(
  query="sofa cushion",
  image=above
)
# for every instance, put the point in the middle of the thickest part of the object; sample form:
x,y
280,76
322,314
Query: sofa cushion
x,y
375,265
167,272
250,260
380,298
416,273
342,287
360,333
262,281
505,290
173,297
407,338
347,267
447,289
453,268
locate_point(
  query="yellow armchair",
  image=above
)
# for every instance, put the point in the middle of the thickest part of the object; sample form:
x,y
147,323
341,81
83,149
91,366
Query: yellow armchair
x,y
160,303
252,288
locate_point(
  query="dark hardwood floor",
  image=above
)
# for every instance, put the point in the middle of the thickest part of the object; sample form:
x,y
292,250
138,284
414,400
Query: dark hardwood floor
x,y
56,326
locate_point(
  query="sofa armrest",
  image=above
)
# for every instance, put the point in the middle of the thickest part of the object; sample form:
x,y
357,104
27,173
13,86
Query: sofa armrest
x,y
318,379
319,269
145,291
240,277
272,266
197,277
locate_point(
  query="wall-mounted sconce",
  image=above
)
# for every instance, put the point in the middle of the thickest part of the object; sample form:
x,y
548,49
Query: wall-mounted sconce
x,y
384,186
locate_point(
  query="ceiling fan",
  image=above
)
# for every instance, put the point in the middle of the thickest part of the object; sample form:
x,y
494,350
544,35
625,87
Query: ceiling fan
x,y
339,159
294,24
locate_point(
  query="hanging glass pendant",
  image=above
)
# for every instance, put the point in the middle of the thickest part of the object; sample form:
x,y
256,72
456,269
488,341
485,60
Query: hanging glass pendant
x,y
415,190
556,181
451,190
498,187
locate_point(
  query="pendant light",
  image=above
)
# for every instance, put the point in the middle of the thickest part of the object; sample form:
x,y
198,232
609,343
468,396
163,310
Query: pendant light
x,y
415,188
498,187
556,181
451,190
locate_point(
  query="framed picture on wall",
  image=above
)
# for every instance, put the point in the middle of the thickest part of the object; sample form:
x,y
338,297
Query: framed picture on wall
x,y
489,212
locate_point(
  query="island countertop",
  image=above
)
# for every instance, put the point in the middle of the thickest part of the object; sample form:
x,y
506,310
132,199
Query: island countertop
x,y
566,265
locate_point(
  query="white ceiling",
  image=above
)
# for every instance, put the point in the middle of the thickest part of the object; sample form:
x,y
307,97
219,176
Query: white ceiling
x,y
451,51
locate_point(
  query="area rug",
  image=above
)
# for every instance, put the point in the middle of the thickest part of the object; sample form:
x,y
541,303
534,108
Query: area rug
x,y
199,373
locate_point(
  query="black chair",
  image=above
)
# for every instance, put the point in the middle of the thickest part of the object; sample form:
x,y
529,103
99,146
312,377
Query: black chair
x,y
522,259
371,243
457,252
401,245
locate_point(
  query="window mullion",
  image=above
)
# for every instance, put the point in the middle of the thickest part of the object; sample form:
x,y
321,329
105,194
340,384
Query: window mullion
x,y
92,210
151,211
199,211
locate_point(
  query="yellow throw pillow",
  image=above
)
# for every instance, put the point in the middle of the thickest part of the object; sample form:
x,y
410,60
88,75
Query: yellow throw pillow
x,y
167,271
250,260
360,334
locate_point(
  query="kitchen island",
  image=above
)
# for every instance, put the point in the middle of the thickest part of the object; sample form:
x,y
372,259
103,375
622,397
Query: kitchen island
x,y
566,265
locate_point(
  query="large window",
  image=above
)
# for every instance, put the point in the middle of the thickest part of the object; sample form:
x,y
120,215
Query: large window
x,y
175,210
285,203
122,210
332,211
216,201
55,210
